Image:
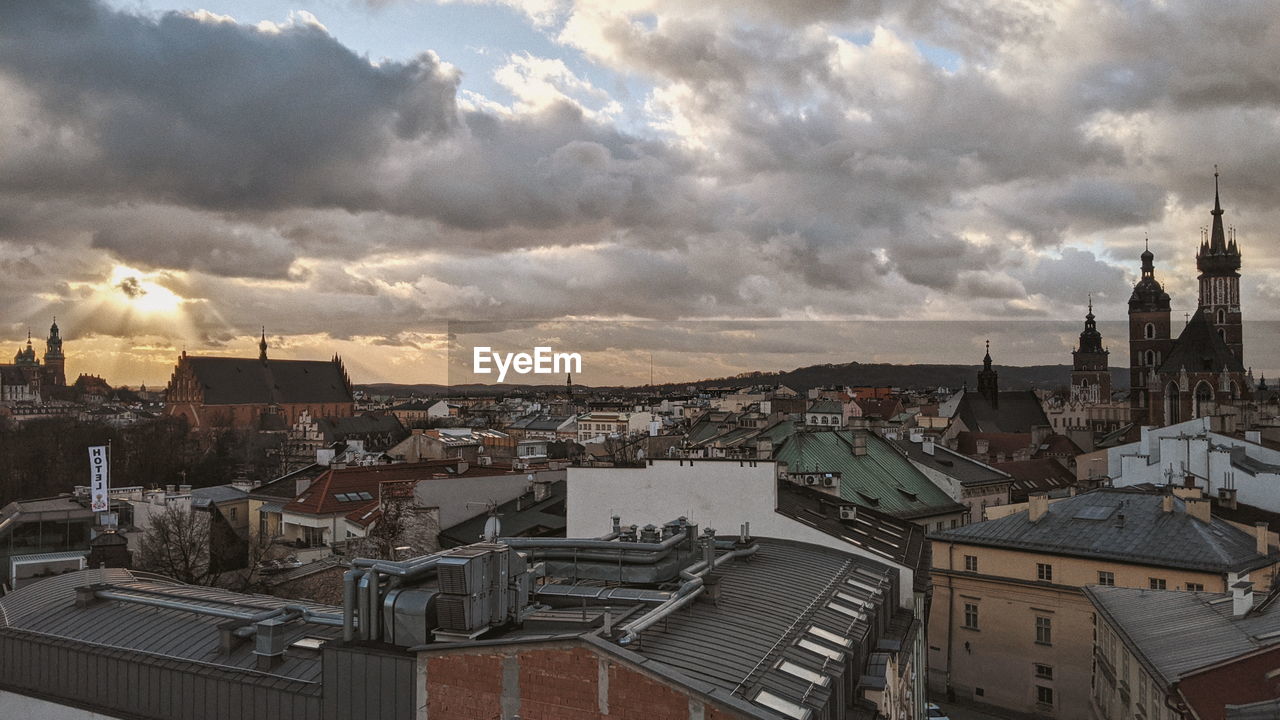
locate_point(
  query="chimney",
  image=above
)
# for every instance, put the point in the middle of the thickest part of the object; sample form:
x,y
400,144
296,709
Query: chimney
x,y
541,489
764,449
982,446
1241,598
927,446
1037,506
1262,535
860,443
1253,436
1198,508
1227,498
1166,503
1186,492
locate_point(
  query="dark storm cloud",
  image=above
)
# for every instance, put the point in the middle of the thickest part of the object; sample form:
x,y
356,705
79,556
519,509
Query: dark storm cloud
x,y
781,160
212,113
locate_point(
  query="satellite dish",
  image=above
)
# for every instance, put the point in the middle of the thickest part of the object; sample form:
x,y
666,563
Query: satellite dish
x,y
492,529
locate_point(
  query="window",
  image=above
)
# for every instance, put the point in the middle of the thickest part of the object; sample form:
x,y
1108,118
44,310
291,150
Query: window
x,y
1106,578
1195,587
1149,331
233,513
1044,571
1044,695
1157,583
1044,630
971,563
971,616
1044,672
312,536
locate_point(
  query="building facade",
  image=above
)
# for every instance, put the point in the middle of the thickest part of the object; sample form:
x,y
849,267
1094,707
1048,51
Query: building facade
x,y
241,393
1202,371
1009,625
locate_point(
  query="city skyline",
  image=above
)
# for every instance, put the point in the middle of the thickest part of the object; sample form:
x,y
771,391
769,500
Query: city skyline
x,y
354,175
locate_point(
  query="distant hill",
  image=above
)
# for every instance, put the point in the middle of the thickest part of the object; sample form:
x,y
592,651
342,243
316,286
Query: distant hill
x,y
879,374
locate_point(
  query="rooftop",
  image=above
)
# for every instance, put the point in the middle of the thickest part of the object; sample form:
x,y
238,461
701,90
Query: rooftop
x,y
881,478
158,634
1177,633
1122,526
967,471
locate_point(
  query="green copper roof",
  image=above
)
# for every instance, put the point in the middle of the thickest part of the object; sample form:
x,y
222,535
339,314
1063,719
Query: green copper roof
x,y
882,478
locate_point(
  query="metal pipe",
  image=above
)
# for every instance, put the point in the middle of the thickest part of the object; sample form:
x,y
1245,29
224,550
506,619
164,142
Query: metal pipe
x,y
694,574
374,603
288,612
593,544
349,580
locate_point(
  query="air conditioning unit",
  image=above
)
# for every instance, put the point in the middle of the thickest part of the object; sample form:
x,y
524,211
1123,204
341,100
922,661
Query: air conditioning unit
x,y
810,480
848,512
830,480
484,460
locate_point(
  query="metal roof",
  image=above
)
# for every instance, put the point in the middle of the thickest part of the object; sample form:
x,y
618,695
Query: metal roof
x,y
881,479
48,609
967,471
519,517
1148,535
898,541
776,606
1175,633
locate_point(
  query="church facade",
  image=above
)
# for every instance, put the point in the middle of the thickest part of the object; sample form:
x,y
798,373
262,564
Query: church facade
x,y
27,379
1201,372
256,393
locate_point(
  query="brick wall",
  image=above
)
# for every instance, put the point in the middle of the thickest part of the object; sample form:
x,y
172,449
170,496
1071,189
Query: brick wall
x,y
561,682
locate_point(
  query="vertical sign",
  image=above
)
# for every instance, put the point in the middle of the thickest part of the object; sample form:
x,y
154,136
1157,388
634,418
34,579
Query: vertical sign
x,y
99,479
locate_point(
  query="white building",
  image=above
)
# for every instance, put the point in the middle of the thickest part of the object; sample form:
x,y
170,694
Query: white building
x,y
1218,464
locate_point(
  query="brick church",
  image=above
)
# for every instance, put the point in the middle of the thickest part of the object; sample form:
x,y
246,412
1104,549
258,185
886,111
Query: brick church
x,y
1202,371
257,393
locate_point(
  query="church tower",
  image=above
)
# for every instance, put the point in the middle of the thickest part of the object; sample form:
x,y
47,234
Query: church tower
x,y
1219,264
989,380
1090,377
54,362
1150,339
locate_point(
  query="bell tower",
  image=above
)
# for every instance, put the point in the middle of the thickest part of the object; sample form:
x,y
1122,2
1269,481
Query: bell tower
x,y
1090,377
1150,339
54,362
1219,264
989,380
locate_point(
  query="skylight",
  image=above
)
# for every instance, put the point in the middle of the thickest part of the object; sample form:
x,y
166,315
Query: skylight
x,y
829,636
823,650
846,610
804,673
782,705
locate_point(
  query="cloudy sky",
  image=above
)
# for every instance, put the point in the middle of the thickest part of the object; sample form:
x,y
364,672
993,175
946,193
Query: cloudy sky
x,y
354,174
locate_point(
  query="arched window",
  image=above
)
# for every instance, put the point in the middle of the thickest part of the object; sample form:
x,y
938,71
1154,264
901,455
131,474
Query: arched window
x,y
1150,358
1222,333
1149,331
1222,316
1171,404
1235,390
1203,399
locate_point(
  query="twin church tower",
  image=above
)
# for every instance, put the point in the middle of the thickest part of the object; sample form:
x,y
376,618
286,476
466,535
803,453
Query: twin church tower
x,y
1202,371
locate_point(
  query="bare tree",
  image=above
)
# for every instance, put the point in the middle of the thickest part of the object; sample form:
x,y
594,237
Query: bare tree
x,y
403,530
176,544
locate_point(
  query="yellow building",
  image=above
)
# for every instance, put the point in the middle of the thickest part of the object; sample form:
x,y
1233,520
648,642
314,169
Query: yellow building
x,y
1009,625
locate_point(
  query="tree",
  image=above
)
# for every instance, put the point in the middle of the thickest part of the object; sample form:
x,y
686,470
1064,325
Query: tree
x,y
176,544
401,524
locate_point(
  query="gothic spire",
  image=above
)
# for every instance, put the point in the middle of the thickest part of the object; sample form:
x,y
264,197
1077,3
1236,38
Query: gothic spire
x,y
1217,238
262,345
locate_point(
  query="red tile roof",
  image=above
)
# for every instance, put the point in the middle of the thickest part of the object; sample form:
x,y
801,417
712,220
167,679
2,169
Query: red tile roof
x,y
344,490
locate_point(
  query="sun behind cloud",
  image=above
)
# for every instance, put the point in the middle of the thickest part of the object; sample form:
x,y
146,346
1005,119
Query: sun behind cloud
x,y
139,292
